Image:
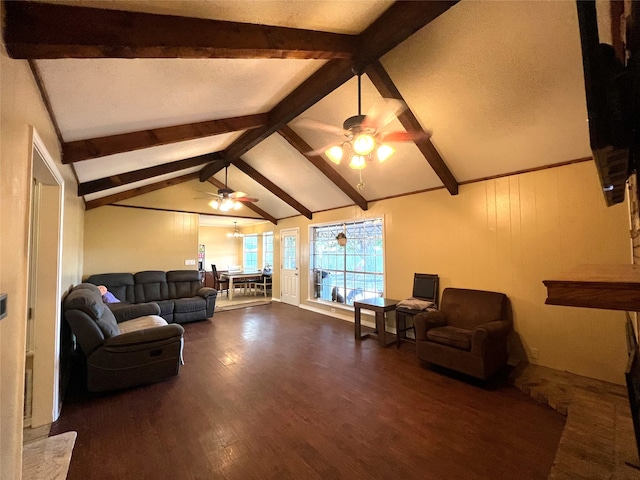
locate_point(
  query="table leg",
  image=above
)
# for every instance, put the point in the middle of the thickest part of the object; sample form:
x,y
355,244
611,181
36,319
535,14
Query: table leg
x,y
381,328
356,312
231,288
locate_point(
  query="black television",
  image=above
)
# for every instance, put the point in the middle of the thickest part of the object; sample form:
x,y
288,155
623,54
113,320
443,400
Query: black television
x,y
612,93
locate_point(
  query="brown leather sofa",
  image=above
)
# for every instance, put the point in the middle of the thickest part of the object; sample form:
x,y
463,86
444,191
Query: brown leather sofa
x,y
468,334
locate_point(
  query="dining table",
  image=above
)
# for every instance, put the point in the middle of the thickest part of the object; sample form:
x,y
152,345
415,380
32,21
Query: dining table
x,y
240,277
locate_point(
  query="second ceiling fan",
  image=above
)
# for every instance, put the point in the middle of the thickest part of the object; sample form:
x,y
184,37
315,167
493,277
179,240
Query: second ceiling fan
x,y
228,199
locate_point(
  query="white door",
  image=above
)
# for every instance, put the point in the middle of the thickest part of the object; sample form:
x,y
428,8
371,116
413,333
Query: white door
x,y
289,269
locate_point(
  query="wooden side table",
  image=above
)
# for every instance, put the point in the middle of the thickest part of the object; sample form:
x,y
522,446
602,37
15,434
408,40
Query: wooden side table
x,y
380,306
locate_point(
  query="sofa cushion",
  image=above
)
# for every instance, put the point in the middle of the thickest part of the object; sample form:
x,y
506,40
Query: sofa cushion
x,y
451,336
183,283
151,286
193,304
471,308
141,323
119,284
87,298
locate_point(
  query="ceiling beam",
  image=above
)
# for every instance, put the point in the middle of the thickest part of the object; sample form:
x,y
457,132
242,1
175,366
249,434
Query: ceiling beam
x,y
329,77
126,178
317,161
35,30
381,80
272,187
108,200
126,142
395,25
375,41
249,205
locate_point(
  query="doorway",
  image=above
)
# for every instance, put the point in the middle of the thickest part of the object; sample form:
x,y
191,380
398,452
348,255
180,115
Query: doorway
x,y
42,386
290,271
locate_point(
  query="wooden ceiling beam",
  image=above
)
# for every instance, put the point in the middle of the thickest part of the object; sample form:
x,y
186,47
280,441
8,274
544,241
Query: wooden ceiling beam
x,y
249,205
108,200
394,26
381,80
126,142
35,30
329,77
317,161
272,187
126,178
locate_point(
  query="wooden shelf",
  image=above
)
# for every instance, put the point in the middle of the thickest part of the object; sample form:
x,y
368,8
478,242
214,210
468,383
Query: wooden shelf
x,y
613,287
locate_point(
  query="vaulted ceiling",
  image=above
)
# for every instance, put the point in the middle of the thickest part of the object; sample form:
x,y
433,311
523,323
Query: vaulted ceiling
x,y
153,98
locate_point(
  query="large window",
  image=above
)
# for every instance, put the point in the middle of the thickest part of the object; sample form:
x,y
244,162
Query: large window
x,y
351,272
250,252
267,250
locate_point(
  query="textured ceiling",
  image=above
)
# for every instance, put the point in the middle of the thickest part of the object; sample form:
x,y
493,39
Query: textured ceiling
x,y
498,85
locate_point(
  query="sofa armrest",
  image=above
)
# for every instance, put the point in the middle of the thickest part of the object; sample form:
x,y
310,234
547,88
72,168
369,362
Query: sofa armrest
x,y
427,320
128,311
144,339
206,292
492,333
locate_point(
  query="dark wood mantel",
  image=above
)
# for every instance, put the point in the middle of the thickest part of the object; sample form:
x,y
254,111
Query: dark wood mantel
x,y
613,287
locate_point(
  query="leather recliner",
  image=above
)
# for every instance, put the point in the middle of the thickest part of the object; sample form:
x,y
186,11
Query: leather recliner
x,y
468,334
124,347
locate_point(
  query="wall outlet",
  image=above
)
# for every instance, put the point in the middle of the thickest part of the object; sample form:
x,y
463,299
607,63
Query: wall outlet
x,y
189,262
534,354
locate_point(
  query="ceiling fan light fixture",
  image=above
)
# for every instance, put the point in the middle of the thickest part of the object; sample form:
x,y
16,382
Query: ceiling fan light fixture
x,y
363,144
358,162
384,152
335,154
237,205
215,204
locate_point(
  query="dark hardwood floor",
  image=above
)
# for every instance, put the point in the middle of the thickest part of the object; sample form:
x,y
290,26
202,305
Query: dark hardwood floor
x,y
279,392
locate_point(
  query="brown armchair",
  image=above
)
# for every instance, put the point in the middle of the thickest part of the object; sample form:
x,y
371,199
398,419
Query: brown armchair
x,y
468,334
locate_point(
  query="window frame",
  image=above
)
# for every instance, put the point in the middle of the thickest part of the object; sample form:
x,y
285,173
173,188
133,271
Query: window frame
x,y
267,251
249,254
356,282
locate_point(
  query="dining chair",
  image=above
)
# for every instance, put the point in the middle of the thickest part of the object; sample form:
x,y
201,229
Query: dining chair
x,y
220,285
263,284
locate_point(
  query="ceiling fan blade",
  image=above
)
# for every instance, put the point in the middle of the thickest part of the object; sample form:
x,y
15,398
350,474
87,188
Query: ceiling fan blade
x,y
321,150
315,125
403,136
237,195
382,112
247,199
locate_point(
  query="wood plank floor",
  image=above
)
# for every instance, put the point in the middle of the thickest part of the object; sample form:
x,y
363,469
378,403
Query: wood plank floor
x,y
279,392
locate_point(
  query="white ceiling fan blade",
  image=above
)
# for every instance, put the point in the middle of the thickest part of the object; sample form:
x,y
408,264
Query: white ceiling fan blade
x,y
400,136
315,125
382,112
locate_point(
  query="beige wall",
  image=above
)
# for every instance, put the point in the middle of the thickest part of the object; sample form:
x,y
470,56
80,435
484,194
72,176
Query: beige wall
x,y
21,107
508,235
119,239
220,250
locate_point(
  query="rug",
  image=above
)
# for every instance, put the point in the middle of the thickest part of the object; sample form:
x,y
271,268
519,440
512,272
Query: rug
x,y
48,458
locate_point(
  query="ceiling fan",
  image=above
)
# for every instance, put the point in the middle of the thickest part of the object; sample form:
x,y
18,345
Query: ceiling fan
x,y
365,137
228,199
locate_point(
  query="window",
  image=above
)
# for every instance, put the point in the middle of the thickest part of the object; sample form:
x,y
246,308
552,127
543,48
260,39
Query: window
x,y
250,252
349,273
267,249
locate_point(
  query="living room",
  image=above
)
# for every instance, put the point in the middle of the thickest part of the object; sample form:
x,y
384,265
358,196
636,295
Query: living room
x,y
506,233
